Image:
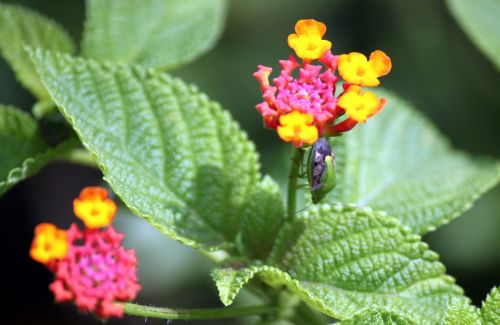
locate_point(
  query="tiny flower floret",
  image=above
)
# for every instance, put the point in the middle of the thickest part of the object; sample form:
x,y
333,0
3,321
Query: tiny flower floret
x,y
94,207
96,272
49,243
355,69
360,106
297,128
307,42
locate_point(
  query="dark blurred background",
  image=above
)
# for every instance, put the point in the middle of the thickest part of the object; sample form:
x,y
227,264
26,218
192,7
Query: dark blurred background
x,y
435,66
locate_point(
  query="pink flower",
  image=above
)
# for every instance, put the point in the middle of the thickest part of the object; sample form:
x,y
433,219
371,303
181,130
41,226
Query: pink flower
x,y
306,100
96,272
311,93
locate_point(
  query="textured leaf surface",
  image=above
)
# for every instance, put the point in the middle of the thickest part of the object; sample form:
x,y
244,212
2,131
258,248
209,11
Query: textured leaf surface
x,y
155,33
479,19
399,163
490,311
22,150
20,27
171,154
263,215
460,312
379,317
342,260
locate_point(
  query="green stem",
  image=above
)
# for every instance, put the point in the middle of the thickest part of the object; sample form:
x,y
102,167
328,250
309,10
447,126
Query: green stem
x,y
292,183
200,314
81,157
43,108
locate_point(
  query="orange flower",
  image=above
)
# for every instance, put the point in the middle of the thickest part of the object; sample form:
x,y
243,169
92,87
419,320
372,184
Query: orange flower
x,y
296,127
354,68
94,207
360,106
49,243
307,41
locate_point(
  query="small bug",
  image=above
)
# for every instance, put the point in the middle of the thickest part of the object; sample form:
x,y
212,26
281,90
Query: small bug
x,y
321,169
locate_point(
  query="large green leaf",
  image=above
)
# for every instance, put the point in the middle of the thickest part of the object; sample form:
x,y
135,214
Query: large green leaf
x,y
173,156
20,27
490,311
342,260
379,317
22,150
156,33
479,19
399,163
457,312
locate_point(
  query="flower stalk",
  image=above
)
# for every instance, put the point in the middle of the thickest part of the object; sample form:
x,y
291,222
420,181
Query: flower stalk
x,y
292,182
196,314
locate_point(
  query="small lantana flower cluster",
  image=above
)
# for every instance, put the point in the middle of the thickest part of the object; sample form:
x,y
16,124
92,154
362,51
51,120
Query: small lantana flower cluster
x,y
301,109
90,266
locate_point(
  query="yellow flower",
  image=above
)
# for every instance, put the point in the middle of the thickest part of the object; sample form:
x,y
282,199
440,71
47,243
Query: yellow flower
x,y
49,243
359,106
296,127
94,207
307,41
354,68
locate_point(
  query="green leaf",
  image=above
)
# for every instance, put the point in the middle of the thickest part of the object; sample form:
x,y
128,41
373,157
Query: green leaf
x,y
379,317
20,27
399,163
155,33
490,311
479,19
19,138
263,215
174,157
22,149
459,312
341,260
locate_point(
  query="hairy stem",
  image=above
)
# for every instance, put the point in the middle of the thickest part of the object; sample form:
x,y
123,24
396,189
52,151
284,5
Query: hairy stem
x,y
292,183
209,313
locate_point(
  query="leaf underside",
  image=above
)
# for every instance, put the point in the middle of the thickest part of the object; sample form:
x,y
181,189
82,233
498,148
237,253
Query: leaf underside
x,y
155,33
399,163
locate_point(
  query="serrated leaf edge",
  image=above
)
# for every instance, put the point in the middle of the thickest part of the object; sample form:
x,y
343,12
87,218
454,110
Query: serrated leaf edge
x,y
32,165
216,110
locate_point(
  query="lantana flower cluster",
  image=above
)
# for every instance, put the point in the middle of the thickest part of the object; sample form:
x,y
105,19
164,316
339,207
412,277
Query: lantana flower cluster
x,y
90,266
303,107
